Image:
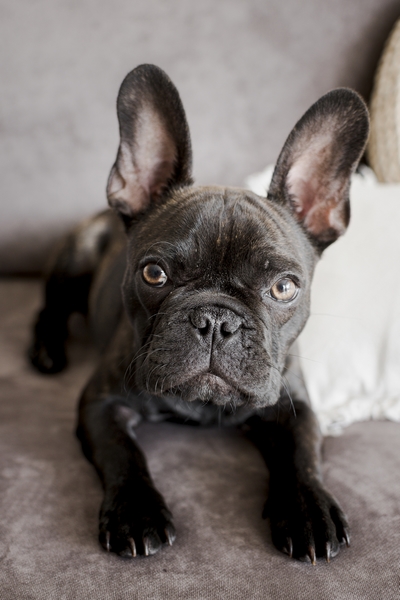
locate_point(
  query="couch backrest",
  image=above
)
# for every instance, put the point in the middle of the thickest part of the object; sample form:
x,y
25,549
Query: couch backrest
x,y
246,71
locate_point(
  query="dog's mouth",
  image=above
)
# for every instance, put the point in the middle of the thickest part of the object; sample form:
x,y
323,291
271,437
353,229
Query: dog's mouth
x,y
208,387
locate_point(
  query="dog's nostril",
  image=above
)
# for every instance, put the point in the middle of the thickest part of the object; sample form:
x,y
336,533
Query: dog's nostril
x,y
201,323
228,328
205,329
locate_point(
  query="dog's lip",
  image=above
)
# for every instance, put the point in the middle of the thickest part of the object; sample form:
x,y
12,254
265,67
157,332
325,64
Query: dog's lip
x,y
206,377
209,375
212,377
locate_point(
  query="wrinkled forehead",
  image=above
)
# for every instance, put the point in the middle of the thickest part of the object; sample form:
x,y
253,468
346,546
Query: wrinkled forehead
x,y
224,226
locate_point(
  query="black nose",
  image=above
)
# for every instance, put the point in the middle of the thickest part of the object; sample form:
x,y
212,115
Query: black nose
x,y
220,322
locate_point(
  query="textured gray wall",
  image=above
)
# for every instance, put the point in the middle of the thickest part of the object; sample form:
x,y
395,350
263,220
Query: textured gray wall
x,y
246,70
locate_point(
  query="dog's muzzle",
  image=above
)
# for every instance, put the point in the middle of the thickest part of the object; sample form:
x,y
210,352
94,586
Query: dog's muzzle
x,y
208,347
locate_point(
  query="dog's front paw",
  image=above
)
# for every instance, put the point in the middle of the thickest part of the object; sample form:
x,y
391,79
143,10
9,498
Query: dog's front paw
x,y
46,358
135,522
47,352
306,522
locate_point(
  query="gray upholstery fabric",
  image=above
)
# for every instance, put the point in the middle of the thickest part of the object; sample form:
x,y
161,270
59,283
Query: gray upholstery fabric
x,y
246,70
214,481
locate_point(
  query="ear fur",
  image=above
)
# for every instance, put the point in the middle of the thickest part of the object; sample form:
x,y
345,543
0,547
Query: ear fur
x,y
313,172
155,151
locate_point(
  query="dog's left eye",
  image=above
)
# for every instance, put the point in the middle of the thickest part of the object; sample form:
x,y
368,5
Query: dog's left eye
x,y
284,290
154,275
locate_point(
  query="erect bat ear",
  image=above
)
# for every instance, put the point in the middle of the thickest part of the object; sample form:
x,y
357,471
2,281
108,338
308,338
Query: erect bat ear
x,y
155,151
313,171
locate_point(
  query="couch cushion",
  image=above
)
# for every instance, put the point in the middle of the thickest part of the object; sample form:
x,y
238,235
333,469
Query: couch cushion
x,y
384,142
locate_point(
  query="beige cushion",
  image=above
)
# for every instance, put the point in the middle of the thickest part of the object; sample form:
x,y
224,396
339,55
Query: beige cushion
x,y
384,143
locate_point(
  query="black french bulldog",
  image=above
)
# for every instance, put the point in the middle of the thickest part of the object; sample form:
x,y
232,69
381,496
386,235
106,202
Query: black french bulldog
x,y
215,290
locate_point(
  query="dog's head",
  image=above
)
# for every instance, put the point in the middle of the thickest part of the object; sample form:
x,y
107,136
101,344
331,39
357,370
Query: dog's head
x,y
217,286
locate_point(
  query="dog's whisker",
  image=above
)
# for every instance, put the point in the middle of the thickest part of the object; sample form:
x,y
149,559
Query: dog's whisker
x,y
158,314
305,358
149,376
334,316
128,371
299,377
285,384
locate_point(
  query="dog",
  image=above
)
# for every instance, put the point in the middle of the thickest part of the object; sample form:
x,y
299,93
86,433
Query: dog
x,y
215,290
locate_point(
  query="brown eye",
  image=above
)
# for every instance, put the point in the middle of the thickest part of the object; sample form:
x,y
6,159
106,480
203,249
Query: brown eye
x,y
154,275
284,290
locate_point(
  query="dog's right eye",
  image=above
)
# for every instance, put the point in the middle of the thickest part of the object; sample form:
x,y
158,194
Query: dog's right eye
x,y
154,275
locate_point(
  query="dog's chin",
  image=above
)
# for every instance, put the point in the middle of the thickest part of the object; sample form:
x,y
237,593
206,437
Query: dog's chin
x,y
208,387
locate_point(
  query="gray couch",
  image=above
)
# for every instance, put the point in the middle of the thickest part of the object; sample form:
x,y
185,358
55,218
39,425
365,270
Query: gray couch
x,y
246,72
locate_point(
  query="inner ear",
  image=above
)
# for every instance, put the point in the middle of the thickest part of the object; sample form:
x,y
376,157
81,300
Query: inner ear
x,y
319,194
144,166
314,169
154,151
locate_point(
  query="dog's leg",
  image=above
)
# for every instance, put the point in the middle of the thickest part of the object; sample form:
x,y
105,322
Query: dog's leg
x,y
306,521
67,290
134,518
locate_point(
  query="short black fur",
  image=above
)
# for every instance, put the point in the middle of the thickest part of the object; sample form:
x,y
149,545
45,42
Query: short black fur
x,y
210,340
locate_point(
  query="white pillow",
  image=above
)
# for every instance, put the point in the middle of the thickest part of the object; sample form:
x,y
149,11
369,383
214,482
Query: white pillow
x,y
350,347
